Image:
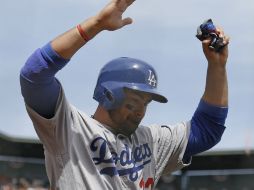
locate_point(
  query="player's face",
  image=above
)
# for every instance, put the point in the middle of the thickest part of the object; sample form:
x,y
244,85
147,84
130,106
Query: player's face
x,y
128,116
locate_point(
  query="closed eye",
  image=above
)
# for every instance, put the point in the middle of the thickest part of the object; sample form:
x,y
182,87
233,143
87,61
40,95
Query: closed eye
x,y
130,107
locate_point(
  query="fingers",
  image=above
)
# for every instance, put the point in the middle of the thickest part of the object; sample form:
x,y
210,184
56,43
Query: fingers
x,y
214,43
226,40
206,44
219,31
128,2
123,4
127,21
222,35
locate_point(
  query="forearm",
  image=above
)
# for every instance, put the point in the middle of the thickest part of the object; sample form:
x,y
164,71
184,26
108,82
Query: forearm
x,y
216,90
207,124
67,44
38,81
38,84
109,18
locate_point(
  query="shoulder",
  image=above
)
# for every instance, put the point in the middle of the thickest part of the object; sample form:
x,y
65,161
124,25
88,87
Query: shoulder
x,y
156,131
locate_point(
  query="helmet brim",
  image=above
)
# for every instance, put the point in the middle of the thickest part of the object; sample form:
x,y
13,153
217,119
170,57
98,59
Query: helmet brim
x,y
156,96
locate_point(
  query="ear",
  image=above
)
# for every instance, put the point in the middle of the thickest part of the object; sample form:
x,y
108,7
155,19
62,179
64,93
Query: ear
x,y
108,100
113,98
109,95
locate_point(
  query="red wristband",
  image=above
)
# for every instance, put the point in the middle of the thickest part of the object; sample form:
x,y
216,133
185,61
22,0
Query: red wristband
x,y
82,33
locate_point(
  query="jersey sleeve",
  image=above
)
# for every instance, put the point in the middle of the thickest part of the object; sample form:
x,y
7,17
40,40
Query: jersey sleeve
x,y
39,87
169,144
207,128
54,133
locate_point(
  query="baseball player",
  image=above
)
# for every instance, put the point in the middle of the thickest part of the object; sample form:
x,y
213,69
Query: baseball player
x,y
110,149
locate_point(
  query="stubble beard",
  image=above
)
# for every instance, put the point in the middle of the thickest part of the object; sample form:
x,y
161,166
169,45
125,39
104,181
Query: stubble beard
x,y
126,127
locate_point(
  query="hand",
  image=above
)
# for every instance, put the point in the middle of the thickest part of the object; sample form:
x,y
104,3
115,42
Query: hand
x,y
110,18
213,57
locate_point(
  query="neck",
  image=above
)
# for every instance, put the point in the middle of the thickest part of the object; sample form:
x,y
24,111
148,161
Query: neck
x,y
102,115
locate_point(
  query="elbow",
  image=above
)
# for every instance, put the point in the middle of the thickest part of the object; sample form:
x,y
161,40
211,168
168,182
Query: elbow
x,y
204,136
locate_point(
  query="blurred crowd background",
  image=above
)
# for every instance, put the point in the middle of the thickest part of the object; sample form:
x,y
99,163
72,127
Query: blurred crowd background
x,y
22,167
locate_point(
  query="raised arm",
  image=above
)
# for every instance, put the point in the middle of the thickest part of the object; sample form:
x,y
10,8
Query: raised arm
x,y
216,90
207,123
39,86
109,18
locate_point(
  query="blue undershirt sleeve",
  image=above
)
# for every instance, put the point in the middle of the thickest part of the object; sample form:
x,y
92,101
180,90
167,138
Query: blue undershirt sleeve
x,y
39,86
207,127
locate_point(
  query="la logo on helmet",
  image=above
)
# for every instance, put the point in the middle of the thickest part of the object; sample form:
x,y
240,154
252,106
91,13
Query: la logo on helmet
x,y
152,80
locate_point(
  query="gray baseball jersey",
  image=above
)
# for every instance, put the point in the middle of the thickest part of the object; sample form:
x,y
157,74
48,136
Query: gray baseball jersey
x,y
81,153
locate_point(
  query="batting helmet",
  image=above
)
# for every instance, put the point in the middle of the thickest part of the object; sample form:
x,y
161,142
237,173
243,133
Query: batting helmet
x,y
123,73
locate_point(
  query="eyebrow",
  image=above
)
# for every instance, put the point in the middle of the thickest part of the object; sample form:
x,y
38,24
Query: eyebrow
x,y
140,96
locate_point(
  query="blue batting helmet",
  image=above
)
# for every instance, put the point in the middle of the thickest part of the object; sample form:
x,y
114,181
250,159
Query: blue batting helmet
x,y
123,73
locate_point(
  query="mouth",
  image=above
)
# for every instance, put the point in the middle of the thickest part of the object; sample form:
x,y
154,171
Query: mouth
x,y
134,121
130,126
